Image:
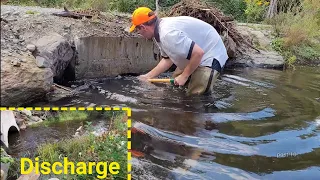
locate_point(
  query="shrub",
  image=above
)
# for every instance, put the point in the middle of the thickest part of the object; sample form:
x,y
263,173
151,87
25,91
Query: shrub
x,y
130,6
299,31
256,10
235,8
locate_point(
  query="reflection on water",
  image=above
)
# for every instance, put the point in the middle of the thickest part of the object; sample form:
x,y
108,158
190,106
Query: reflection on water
x,y
258,124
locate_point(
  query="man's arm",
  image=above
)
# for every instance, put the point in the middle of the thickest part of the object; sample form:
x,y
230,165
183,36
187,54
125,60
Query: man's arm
x,y
195,60
162,66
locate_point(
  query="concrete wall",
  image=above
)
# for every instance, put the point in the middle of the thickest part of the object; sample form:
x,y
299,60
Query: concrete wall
x,y
110,56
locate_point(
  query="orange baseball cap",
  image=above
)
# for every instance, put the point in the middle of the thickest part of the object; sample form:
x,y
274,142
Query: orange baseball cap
x,y
140,16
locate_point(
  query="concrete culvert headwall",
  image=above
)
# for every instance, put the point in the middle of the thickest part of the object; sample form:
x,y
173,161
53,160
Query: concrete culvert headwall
x,y
99,57
8,124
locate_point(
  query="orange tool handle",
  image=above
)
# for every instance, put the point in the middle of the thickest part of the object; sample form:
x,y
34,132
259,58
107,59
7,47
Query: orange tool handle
x,y
162,80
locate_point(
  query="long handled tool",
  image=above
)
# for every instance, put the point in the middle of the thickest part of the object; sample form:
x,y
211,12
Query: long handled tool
x,y
162,81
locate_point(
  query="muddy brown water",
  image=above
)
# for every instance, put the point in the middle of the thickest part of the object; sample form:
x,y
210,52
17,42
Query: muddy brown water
x,y
258,124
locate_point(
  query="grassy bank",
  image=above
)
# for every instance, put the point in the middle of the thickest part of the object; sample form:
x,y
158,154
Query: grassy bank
x,y
108,148
297,33
63,116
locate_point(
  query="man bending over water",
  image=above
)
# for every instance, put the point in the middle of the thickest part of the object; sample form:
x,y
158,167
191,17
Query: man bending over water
x,y
194,46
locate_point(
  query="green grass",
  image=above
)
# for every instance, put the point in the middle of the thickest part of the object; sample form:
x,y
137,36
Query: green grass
x,y
62,116
71,115
110,147
5,158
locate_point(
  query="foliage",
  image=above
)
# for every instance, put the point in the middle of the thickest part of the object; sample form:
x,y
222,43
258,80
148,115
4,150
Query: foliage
x,y
5,158
167,3
256,10
130,6
278,45
235,8
305,51
299,31
69,116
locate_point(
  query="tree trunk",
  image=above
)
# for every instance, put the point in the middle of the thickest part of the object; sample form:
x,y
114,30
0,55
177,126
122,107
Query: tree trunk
x,y
157,7
272,11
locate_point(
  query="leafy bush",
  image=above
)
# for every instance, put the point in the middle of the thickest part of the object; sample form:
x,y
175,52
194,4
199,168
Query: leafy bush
x,y
299,31
235,8
130,6
256,10
5,158
278,45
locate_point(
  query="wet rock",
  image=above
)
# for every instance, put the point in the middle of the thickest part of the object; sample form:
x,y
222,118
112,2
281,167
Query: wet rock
x,y
19,120
26,112
23,126
55,51
58,93
36,119
43,114
91,105
31,47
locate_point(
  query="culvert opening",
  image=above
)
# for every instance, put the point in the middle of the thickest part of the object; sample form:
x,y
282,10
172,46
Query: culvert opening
x,y
68,75
103,57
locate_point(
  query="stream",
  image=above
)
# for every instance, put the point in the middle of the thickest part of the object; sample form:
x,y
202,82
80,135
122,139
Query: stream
x,y
258,124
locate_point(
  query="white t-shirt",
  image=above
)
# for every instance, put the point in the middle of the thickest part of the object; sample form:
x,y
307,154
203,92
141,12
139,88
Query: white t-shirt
x,y
177,36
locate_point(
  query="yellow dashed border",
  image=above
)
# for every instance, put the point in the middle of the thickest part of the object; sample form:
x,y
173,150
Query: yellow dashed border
x,y
127,109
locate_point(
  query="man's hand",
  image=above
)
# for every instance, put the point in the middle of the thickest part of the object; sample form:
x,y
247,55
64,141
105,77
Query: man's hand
x,y
180,80
162,66
143,77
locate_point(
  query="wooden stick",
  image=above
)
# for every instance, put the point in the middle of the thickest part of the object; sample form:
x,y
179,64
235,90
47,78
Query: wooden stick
x,y
62,87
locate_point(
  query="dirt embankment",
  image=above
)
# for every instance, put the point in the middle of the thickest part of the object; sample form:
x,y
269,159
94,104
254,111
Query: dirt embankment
x,y
36,45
